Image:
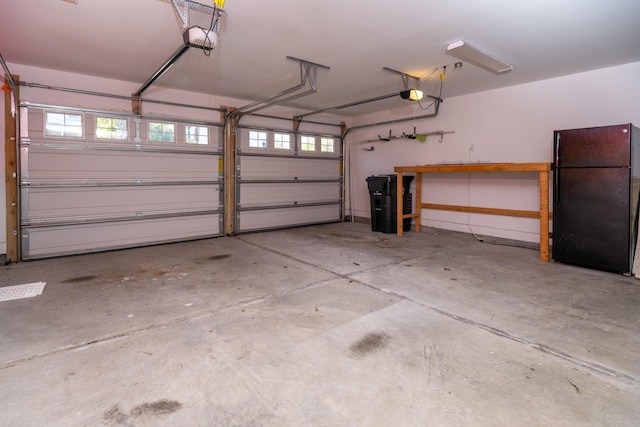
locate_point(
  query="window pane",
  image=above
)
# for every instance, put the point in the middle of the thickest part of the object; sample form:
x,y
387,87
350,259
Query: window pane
x,y
103,122
281,141
76,132
111,128
197,135
168,132
161,132
61,124
257,139
326,145
308,143
55,119
54,130
73,120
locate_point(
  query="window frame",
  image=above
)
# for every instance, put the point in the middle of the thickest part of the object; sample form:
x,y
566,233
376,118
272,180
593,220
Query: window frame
x,y
112,129
324,139
197,136
259,139
64,124
303,143
288,142
162,123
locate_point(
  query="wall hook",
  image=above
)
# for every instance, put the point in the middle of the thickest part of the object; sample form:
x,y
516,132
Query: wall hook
x,y
411,136
389,138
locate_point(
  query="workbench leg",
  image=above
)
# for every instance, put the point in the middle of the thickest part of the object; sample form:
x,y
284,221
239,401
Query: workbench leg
x,y
544,216
399,205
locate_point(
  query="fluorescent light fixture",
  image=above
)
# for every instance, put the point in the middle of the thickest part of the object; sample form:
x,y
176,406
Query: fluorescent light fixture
x,y
467,52
411,94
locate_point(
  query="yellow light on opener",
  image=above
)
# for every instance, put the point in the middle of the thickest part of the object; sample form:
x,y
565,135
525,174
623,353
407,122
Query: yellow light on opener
x,y
412,94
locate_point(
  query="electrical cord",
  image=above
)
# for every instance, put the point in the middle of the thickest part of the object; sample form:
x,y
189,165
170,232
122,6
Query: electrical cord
x,y
215,16
478,238
444,71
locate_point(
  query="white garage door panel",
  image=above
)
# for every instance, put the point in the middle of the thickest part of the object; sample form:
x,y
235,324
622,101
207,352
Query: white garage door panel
x,y
274,218
278,194
287,179
67,203
85,194
288,168
51,164
52,241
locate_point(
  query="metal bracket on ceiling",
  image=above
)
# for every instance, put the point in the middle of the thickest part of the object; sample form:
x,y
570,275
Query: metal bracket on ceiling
x,y
405,77
184,6
405,82
308,73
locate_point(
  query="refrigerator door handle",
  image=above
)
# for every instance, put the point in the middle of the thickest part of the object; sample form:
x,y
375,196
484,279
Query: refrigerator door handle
x,y
556,172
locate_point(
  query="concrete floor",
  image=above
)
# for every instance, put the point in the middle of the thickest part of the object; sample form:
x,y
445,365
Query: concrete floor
x,y
330,325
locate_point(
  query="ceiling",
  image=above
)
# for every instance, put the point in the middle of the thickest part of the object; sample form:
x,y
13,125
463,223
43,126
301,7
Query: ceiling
x,y
129,40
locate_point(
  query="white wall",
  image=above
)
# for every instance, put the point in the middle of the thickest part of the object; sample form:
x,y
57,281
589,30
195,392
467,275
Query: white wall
x,y
508,125
513,124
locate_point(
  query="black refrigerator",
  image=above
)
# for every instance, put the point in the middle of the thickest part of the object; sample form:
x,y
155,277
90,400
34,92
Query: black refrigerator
x,y
595,196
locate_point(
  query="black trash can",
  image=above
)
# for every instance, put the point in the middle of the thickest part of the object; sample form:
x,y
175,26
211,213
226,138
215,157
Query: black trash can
x,y
383,194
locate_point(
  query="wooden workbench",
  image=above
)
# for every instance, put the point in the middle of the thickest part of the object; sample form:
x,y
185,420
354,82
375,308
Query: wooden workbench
x,y
543,179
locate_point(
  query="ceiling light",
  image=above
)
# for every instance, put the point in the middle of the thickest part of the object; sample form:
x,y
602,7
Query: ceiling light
x,y
478,57
411,94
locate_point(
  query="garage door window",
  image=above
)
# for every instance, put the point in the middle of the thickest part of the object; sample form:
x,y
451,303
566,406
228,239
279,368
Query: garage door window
x,y
111,128
281,141
308,143
197,135
326,145
257,139
63,124
162,132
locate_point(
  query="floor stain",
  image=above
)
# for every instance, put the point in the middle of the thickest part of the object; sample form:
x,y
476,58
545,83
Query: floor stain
x,y
159,407
80,279
574,386
115,416
205,260
370,343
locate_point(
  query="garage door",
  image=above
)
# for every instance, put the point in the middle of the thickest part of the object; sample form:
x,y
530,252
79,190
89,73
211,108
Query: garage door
x,y
286,179
93,180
